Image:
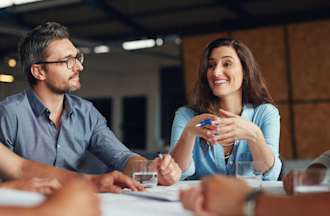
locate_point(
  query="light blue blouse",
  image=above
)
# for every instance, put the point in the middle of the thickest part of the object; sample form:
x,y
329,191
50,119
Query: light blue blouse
x,y
208,160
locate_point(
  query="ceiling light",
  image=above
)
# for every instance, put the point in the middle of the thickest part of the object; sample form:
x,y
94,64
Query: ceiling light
x,y
85,50
139,44
8,3
7,78
101,49
159,42
12,62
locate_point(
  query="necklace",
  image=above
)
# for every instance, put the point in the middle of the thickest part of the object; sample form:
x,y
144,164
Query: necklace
x,y
227,155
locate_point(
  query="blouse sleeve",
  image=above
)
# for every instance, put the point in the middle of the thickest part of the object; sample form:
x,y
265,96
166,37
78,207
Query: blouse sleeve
x,y
270,128
182,117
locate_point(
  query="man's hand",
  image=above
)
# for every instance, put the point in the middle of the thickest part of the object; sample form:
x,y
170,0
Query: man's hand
x,y
168,170
75,198
224,195
192,199
218,195
288,183
114,182
40,185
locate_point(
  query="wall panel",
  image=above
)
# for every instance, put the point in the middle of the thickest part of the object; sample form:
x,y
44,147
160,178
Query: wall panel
x,y
310,53
312,124
267,47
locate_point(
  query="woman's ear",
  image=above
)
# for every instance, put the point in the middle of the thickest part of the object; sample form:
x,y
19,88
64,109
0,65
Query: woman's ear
x,y
38,72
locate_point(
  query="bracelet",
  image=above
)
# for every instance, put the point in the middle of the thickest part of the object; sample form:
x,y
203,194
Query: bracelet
x,y
250,203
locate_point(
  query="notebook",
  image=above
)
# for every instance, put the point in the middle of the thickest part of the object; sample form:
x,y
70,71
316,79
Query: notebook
x,y
162,195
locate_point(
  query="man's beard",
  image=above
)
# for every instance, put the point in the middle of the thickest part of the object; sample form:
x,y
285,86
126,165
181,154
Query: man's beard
x,y
62,90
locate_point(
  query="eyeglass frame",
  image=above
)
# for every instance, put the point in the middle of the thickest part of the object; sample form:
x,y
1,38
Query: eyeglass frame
x,y
79,57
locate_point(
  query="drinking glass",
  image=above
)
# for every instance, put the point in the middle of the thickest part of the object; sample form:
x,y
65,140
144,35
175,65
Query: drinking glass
x,y
145,173
250,172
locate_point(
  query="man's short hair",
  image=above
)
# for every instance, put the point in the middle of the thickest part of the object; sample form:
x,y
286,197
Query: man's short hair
x,y
33,45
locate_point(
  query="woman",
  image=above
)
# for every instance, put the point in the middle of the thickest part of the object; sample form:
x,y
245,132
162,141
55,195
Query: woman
x,y
245,125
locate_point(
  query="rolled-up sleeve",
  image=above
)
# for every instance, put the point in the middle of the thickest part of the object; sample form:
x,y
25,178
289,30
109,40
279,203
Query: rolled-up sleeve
x,y
8,128
182,117
271,131
106,146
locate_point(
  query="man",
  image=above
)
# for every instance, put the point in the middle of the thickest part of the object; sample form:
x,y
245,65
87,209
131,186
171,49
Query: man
x,y
34,176
76,198
49,125
221,195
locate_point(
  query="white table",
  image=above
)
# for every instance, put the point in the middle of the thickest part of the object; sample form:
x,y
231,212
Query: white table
x,y
127,205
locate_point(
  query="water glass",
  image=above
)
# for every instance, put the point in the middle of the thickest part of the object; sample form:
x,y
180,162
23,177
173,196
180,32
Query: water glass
x,y
250,172
145,173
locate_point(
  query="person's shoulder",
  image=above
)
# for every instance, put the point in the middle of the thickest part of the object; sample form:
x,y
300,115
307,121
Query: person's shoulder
x,y
186,111
13,103
82,106
79,102
266,109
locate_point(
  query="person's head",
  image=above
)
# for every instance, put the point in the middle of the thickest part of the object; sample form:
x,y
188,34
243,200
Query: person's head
x,y
228,68
47,55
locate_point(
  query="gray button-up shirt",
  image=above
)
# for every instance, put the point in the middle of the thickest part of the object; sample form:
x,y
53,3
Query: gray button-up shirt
x,y
25,128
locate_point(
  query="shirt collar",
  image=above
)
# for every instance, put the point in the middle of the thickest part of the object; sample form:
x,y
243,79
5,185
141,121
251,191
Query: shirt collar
x,y
36,104
38,108
68,105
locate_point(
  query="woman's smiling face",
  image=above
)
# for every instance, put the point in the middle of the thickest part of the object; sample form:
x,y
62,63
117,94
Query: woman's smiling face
x,y
225,72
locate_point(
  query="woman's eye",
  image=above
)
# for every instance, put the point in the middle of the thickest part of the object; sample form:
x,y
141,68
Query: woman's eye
x,y
210,66
227,64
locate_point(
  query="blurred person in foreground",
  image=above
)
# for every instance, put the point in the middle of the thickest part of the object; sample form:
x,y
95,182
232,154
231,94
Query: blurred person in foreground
x,y
75,198
229,196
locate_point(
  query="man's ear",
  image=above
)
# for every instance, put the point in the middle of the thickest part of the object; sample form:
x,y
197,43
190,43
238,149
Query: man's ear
x,y
38,72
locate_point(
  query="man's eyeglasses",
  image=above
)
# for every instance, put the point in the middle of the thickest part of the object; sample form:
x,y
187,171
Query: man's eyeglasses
x,y
70,62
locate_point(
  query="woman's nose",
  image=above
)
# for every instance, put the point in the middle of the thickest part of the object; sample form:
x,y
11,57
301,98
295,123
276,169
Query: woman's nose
x,y
218,70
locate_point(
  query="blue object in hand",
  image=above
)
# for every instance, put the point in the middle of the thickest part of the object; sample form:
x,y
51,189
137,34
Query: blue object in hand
x,y
205,122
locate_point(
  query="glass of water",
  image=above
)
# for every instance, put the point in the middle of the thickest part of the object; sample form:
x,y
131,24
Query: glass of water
x,y
311,181
145,173
250,172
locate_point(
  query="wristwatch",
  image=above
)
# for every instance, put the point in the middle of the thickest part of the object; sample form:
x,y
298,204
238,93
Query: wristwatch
x,y
250,203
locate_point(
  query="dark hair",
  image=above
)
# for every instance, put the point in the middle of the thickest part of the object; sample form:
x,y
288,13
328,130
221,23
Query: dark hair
x,y
32,46
254,90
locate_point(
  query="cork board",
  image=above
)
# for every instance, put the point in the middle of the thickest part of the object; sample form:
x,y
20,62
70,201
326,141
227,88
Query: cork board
x,y
285,135
268,48
310,64
312,129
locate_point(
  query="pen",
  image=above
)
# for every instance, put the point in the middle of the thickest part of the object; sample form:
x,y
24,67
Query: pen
x,y
203,123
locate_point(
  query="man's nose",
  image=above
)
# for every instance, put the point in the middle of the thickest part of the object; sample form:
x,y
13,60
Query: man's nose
x,y
78,66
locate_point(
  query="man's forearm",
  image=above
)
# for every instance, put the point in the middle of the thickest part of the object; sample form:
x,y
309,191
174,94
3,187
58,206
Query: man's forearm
x,y
304,205
22,211
32,169
129,166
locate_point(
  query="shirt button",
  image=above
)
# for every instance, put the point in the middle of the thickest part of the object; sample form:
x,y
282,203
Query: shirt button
x,y
58,146
230,163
